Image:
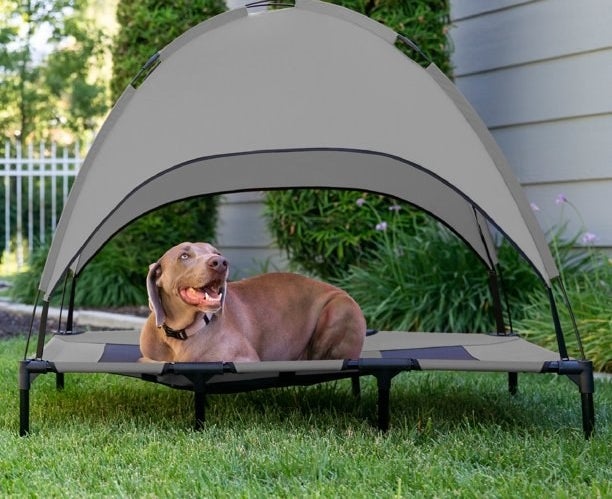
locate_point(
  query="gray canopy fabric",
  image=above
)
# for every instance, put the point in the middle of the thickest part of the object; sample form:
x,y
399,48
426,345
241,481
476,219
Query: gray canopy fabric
x,y
309,96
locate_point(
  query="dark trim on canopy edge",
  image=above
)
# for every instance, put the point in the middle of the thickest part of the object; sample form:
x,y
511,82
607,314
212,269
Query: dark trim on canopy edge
x,y
294,150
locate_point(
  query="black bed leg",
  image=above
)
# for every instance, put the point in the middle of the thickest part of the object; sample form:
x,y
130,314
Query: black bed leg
x,y
24,399
356,386
580,372
24,412
384,391
513,383
588,414
59,381
199,400
586,385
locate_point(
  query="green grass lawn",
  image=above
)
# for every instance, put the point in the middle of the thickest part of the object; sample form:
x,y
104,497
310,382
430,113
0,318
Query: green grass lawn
x,y
452,434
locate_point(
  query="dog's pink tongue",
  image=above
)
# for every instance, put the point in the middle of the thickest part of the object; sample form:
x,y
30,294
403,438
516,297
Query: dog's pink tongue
x,y
199,297
193,296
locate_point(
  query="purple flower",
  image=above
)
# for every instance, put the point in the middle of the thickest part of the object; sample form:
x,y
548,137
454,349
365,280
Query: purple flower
x,y
395,207
534,207
360,202
382,226
560,199
588,238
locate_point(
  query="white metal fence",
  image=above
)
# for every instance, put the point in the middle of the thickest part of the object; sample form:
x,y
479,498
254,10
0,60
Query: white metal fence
x,y
36,182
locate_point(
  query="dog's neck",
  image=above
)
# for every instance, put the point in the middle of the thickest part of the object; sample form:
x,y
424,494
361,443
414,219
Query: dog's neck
x,y
195,327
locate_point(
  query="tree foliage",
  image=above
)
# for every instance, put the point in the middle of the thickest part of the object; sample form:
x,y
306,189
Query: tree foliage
x,y
425,22
51,55
146,26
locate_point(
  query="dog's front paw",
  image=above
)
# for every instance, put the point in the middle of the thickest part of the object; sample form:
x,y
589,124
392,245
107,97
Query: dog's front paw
x,y
148,361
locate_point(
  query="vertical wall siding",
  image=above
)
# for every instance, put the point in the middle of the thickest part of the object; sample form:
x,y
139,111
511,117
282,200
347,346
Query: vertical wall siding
x,y
243,237
540,75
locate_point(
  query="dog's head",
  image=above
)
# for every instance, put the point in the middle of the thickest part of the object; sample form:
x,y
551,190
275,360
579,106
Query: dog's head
x,y
190,276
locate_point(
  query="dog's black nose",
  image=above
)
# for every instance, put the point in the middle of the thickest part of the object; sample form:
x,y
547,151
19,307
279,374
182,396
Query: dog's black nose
x,y
218,263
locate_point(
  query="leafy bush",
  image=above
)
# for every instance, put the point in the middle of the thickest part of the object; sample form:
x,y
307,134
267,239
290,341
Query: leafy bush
x,y
147,26
25,285
587,276
324,231
425,22
590,294
425,279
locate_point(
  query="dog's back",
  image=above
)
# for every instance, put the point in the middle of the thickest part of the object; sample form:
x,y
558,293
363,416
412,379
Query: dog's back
x,y
288,317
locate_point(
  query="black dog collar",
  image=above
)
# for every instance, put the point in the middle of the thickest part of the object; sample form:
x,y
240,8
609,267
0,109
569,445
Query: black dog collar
x,y
181,334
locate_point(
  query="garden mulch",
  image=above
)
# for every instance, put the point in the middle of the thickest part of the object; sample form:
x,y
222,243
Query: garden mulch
x,y
13,324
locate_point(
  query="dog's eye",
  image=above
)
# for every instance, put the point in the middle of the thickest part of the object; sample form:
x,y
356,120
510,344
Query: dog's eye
x,y
184,256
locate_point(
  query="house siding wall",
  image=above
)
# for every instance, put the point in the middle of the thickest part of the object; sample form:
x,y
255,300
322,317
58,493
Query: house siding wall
x,y
243,236
539,73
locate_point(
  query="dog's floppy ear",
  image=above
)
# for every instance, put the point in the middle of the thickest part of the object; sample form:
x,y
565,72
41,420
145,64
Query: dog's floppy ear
x,y
155,303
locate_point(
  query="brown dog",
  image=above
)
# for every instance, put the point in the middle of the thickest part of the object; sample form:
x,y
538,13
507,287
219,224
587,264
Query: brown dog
x,y
198,316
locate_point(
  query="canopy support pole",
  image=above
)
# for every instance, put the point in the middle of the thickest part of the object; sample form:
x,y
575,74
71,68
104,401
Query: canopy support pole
x,y
498,310
70,319
557,323
42,330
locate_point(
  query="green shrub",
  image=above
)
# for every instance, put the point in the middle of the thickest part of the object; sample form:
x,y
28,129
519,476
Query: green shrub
x,y
425,22
587,277
325,231
147,26
426,279
590,295
25,284
116,276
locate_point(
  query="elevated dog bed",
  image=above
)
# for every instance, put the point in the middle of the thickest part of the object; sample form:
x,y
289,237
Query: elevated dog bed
x,y
187,127
384,355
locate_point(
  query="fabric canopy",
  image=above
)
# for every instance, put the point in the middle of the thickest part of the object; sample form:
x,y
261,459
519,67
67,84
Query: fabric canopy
x,y
309,96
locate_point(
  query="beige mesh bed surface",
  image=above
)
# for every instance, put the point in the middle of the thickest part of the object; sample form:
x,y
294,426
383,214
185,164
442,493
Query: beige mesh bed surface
x,y
118,352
